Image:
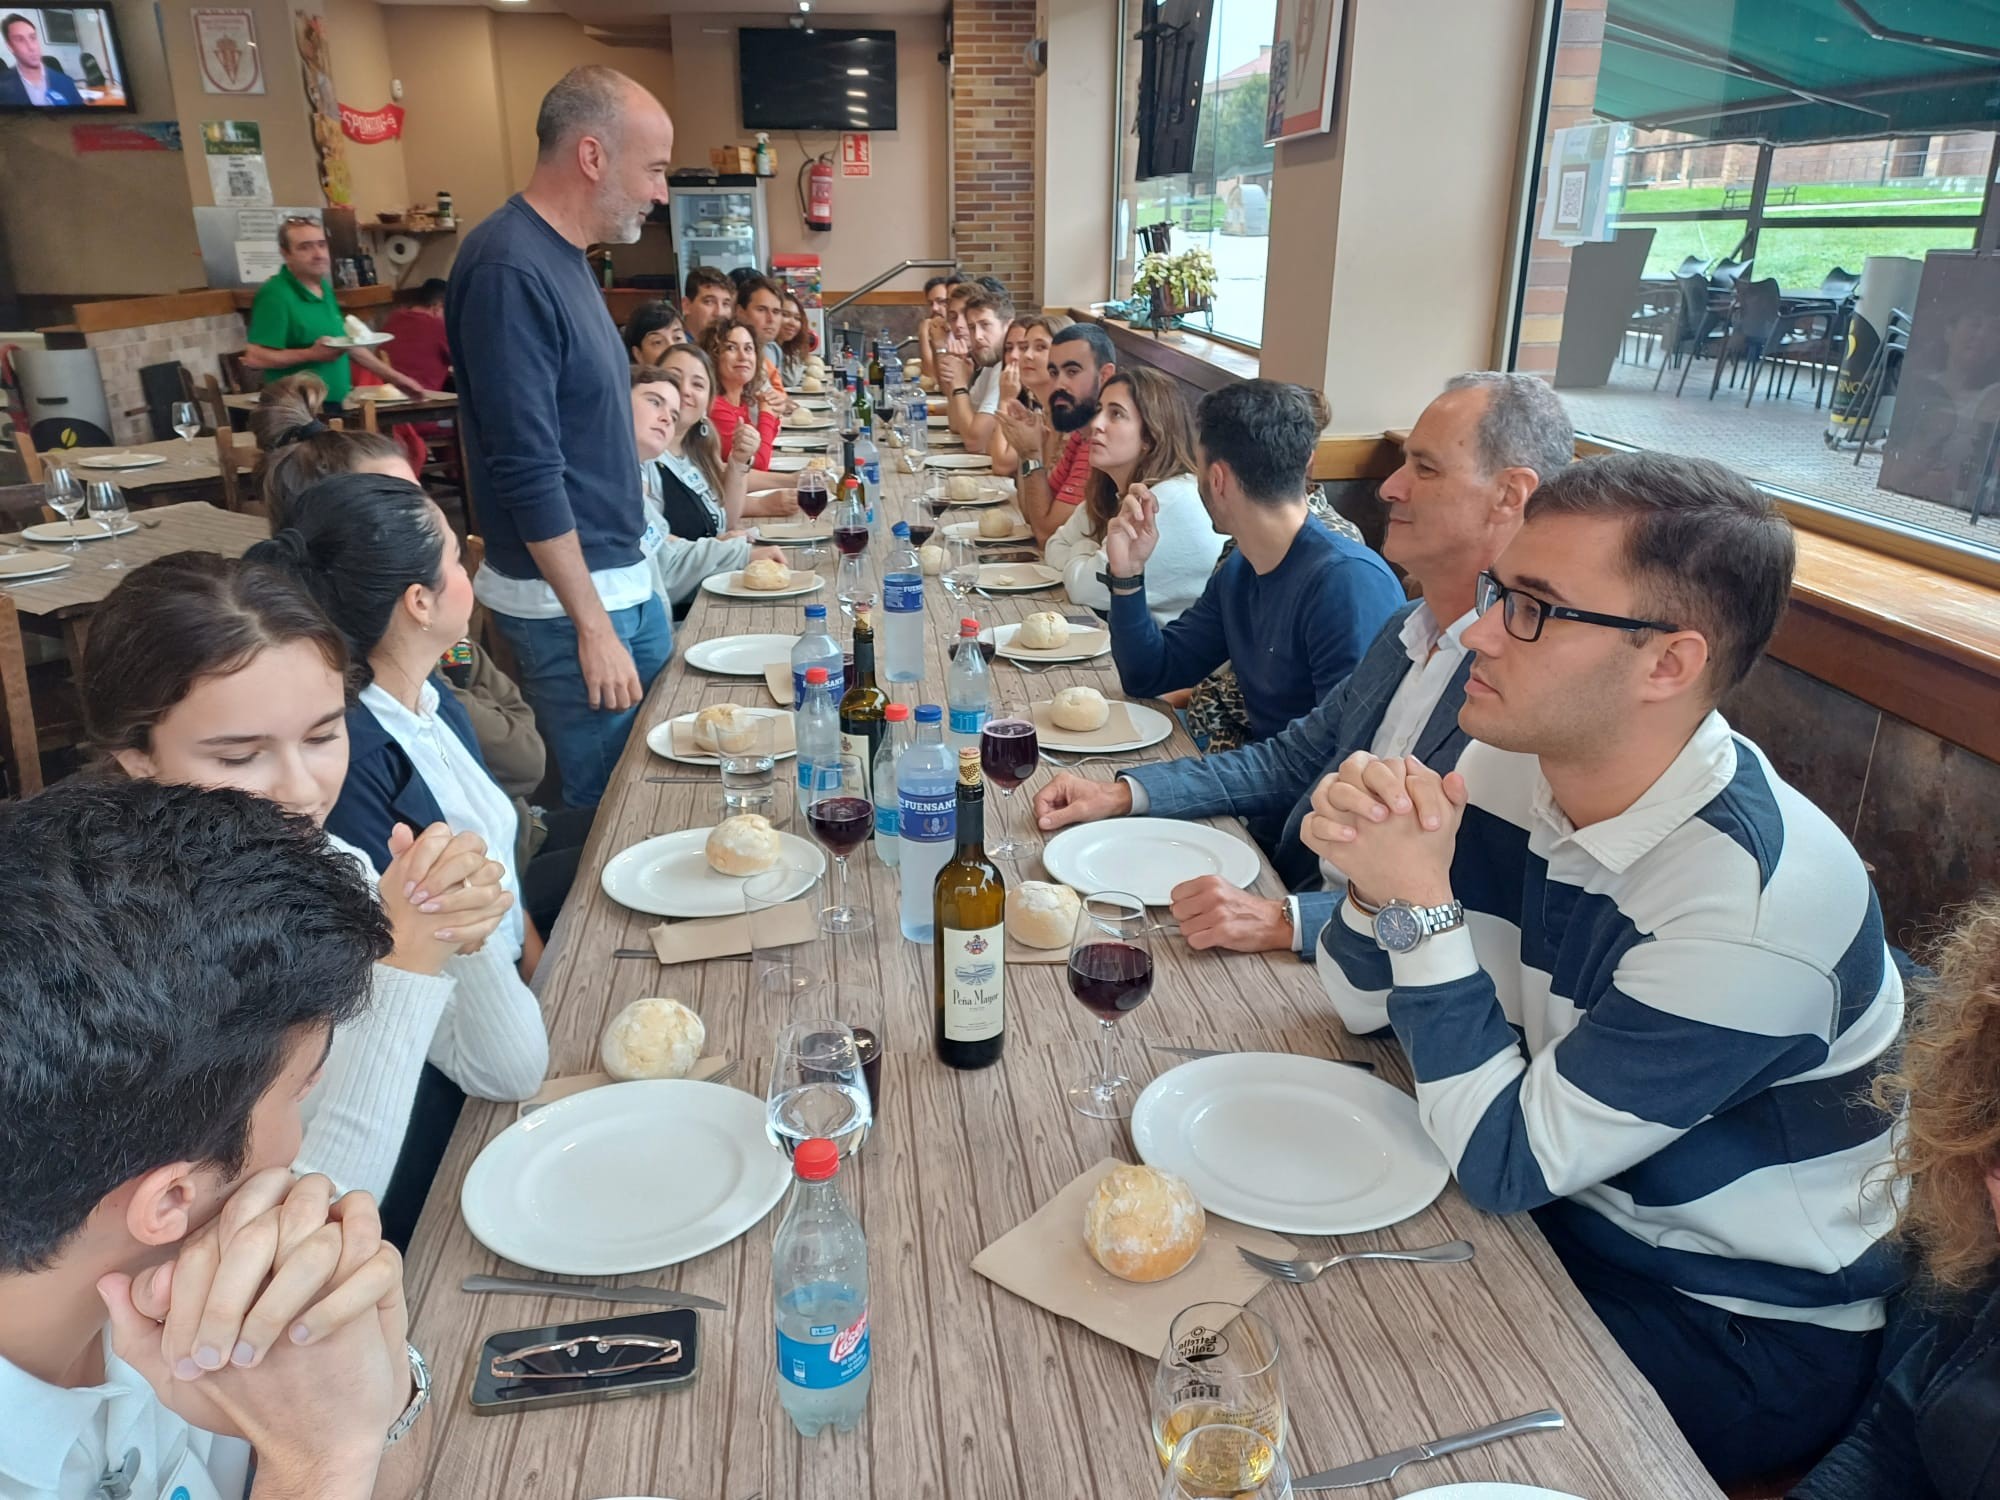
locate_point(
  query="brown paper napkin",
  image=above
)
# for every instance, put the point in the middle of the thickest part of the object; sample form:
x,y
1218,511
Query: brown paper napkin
x,y
1046,1262
1118,729
778,678
1021,953
562,1088
1017,575
783,733
1081,642
724,937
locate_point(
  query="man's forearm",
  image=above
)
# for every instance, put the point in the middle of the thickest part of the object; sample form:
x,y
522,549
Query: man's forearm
x,y
376,365
262,357
560,561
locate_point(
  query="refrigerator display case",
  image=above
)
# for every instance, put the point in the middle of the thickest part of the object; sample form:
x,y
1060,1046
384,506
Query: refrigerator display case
x,y
719,221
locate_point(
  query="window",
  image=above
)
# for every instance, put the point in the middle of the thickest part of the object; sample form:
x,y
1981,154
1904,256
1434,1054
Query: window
x,y
1224,205
1783,276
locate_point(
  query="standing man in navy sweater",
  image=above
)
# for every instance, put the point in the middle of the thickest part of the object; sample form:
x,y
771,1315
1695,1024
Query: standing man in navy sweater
x,y
543,385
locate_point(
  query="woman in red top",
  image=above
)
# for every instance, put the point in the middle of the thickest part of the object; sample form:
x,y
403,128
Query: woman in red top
x,y
739,387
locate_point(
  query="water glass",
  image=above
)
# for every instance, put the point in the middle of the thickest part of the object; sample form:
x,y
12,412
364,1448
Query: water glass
x,y
817,1088
749,758
1110,973
108,509
1220,1367
64,496
854,585
961,566
857,1002
187,420
782,969
1221,1459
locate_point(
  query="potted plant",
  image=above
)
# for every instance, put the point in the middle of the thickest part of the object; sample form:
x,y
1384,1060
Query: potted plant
x,y
1178,284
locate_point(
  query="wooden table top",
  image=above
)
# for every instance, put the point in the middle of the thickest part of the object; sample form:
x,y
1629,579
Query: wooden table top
x,y
428,406
977,1392
186,463
189,527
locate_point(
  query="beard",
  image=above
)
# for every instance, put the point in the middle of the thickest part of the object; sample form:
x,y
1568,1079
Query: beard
x,y
1067,414
624,219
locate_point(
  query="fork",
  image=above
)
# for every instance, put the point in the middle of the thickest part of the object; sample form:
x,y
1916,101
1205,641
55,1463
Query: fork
x,y
1300,1272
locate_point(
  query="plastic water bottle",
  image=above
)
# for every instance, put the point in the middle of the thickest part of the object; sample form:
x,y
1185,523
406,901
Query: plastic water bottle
x,y
902,610
818,733
817,648
919,425
819,1298
968,688
888,804
868,464
927,797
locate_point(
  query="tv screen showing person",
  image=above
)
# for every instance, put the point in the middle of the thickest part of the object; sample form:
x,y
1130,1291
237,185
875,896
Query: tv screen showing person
x,y
60,59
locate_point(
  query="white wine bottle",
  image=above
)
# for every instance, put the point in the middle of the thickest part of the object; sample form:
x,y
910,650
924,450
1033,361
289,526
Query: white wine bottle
x,y
970,904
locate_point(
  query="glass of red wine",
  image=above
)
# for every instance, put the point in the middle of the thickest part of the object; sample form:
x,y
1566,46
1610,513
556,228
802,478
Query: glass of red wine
x,y
1008,754
813,496
921,532
1110,973
841,815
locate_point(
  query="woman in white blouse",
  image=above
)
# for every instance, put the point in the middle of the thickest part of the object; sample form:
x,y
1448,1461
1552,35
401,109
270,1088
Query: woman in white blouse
x,y
1142,434
213,672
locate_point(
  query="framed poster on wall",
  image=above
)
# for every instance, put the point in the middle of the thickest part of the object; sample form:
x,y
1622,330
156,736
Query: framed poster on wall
x,y
1305,57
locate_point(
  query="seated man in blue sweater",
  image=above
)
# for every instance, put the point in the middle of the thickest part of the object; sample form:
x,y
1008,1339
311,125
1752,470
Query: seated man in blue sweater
x,y
1641,982
1469,465
1295,605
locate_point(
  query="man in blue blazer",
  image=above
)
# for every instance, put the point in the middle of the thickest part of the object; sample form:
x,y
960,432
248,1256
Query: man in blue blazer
x,y
33,78
1475,455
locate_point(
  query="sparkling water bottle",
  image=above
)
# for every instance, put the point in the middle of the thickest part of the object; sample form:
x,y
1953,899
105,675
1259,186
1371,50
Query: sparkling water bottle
x,y
888,806
817,648
927,797
819,1298
968,688
818,733
903,628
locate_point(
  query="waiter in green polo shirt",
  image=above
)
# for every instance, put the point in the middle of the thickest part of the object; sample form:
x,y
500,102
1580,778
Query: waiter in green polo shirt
x,y
295,313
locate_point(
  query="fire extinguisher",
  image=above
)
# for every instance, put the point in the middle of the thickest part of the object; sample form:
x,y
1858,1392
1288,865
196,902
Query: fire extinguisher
x,y
816,192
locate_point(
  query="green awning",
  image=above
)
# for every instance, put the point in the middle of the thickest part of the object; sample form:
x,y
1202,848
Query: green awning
x,y
1790,71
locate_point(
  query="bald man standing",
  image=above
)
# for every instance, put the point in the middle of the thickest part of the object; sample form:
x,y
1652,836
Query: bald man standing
x,y
543,386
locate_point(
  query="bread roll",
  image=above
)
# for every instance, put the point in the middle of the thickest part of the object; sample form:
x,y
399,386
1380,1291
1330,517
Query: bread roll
x,y
932,557
746,844
1080,710
961,487
724,728
1142,1224
767,573
997,523
810,386
1044,630
1041,915
652,1039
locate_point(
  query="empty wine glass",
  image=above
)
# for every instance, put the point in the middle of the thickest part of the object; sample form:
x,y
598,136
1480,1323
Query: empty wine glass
x,y
817,1088
1221,1459
1009,751
961,566
841,815
65,497
1110,973
1219,1367
108,509
187,420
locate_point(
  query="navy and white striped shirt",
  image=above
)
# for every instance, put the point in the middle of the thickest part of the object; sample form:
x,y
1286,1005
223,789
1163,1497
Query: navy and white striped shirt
x,y
1667,1020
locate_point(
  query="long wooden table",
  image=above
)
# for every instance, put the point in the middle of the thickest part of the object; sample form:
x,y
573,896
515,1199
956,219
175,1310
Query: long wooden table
x,y
191,470
976,1392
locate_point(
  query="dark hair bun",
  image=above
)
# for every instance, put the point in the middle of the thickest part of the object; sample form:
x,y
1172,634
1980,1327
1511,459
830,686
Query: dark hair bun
x,y
287,548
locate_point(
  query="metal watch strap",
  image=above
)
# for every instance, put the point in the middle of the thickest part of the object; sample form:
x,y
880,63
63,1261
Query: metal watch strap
x,y
961,390
420,1376
1030,466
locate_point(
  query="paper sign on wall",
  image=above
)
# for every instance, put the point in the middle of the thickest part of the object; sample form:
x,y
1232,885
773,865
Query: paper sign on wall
x,y
237,173
136,135
1577,198
226,41
854,155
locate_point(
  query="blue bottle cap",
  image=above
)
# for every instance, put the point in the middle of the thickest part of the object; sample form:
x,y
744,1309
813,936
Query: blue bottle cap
x,y
929,713
901,528
815,611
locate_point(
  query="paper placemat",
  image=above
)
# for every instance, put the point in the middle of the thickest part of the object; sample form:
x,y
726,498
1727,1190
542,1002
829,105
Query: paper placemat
x,y
784,733
562,1088
724,937
778,678
1021,953
1046,1262
1118,729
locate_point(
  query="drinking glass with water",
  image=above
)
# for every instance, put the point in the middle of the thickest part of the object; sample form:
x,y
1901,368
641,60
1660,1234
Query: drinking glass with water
x,y
749,757
817,1088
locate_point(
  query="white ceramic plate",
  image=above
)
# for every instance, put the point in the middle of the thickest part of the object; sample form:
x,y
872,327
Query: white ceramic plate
x,y
379,393
368,342
32,565
945,440
814,400
740,655
1151,725
1488,1490
1022,532
731,586
799,442
626,1177
790,463
793,533
74,531
1003,645
1017,578
669,876
660,739
809,421
968,461
1146,857
1298,1145
110,460
937,422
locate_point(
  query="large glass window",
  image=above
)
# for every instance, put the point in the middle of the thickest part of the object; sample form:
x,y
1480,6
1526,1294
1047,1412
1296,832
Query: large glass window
x,y
1223,206
1784,275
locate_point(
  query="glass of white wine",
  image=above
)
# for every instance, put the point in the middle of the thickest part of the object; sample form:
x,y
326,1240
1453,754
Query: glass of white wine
x,y
1221,1459
187,420
1219,1368
65,497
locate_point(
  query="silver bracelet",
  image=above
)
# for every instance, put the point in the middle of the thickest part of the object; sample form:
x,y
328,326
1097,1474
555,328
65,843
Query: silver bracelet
x,y
420,1376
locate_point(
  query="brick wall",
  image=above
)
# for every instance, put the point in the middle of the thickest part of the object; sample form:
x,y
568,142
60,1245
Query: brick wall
x,y
1579,48
993,124
197,343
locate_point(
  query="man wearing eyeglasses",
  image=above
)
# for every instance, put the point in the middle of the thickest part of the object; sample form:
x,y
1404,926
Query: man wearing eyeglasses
x,y
1642,983
295,317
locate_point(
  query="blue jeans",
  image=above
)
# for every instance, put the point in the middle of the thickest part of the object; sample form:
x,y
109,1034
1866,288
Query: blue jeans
x,y
586,741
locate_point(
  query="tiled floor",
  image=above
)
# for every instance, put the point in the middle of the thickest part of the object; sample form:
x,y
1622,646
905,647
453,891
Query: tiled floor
x,y
1778,442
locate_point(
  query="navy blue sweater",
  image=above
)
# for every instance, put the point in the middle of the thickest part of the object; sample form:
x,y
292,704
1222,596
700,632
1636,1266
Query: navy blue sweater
x,y
1293,634
383,788
544,396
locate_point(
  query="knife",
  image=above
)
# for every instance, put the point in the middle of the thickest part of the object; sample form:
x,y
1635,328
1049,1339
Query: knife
x,y
650,1296
1376,1470
1195,1052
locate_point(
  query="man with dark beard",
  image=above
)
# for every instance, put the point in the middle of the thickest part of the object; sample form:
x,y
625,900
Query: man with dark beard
x,y
1081,359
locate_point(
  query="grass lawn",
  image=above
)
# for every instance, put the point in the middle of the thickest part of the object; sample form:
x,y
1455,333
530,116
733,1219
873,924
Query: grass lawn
x,y
1909,198
1799,258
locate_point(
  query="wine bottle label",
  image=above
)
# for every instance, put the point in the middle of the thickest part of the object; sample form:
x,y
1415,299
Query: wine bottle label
x,y
930,819
861,746
975,964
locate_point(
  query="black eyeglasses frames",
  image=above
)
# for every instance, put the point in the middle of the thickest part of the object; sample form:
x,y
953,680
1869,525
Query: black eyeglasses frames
x,y
1524,615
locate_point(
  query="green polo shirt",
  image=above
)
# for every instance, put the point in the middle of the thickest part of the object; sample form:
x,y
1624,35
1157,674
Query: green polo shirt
x,y
286,316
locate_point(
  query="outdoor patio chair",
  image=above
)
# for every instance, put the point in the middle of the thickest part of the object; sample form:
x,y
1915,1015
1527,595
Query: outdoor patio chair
x,y
1753,326
1703,325
1880,375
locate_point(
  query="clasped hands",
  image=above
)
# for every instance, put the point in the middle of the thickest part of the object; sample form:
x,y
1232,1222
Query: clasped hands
x,y
1390,824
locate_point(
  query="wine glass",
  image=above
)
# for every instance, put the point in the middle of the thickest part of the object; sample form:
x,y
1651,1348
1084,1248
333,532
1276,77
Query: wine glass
x,y
1219,1367
187,420
813,496
1222,1459
108,509
961,566
841,815
65,498
1008,753
817,1088
1110,973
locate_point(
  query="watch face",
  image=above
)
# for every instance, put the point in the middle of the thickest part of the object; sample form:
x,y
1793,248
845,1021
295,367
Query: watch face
x,y
1397,929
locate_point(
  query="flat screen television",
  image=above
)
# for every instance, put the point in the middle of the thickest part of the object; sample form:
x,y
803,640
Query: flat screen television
x,y
799,78
62,60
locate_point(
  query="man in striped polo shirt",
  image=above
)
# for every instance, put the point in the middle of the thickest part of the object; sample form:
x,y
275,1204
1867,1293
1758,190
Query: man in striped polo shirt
x,y
1655,1016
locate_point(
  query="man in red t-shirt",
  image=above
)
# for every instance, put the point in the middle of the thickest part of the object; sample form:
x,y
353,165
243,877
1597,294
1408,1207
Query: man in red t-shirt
x,y
420,351
1081,359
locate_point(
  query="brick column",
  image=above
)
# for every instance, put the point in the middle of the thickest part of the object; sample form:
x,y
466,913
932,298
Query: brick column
x,y
994,229
1572,100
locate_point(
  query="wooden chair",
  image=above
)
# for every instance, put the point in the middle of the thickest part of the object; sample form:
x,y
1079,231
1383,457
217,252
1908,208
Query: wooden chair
x,y
239,493
218,410
17,709
481,627
31,461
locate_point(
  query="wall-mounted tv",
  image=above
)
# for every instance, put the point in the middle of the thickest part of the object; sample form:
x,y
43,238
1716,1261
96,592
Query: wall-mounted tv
x,y
810,78
64,59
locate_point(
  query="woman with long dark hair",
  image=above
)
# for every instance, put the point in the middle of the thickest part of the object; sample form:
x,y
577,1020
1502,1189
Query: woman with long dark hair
x,y
1141,438
740,389
795,342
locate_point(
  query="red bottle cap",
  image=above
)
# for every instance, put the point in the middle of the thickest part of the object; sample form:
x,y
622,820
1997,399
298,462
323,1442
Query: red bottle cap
x,y
815,675
969,627
895,713
815,1160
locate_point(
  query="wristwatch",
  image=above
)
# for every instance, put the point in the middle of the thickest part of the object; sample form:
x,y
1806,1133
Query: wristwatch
x,y
961,390
1402,927
1029,466
420,1377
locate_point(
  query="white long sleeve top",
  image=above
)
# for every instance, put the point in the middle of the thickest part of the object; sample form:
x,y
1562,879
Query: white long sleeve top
x,y
1177,571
